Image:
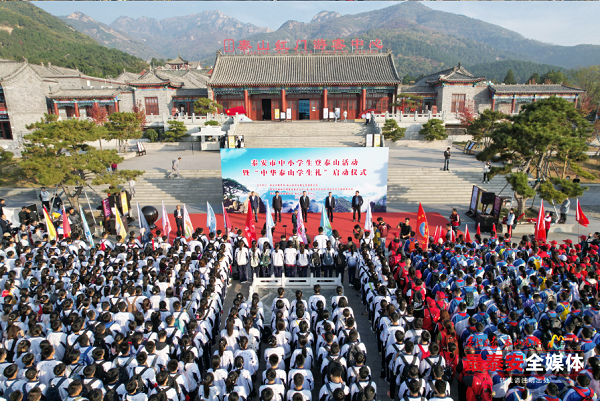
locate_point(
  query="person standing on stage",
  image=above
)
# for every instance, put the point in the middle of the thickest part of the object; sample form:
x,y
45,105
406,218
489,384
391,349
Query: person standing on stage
x,y
330,205
304,205
277,205
179,218
254,201
295,219
357,202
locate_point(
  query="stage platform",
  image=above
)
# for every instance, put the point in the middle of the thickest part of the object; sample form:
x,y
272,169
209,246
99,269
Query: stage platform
x,y
341,222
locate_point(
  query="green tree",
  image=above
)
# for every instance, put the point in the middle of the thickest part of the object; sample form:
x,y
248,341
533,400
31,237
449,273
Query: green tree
x,y
58,153
534,79
519,183
124,126
485,123
509,79
151,134
554,77
557,190
392,131
176,131
433,130
542,132
9,170
204,106
588,79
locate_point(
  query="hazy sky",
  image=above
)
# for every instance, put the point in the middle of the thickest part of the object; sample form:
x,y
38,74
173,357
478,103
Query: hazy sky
x,y
562,23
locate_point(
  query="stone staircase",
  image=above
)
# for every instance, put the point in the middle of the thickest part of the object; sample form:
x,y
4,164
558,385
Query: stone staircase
x,y
195,187
432,185
315,134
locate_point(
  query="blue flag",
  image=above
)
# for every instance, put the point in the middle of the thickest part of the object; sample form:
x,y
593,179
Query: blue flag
x,y
86,228
211,219
325,222
143,224
270,223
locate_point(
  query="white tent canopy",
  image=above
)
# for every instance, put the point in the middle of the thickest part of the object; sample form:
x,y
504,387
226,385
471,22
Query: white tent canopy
x,y
209,131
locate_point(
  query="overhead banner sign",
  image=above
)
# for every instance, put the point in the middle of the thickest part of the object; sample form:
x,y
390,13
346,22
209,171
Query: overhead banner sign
x,y
318,171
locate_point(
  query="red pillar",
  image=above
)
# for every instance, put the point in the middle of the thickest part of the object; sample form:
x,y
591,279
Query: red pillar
x,y
513,105
364,100
493,104
56,109
576,97
76,110
325,102
116,106
246,101
283,102
533,98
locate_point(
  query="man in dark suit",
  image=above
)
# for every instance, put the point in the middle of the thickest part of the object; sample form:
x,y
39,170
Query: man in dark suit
x,y
330,205
357,202
277,205
24,215
5,224
254,204
179,219
304,205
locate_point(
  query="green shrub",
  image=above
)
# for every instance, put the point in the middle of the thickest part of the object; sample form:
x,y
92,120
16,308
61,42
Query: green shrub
x,y
151,135
211,122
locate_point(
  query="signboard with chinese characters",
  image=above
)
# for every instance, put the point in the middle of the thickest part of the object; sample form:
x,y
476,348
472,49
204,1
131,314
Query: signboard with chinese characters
x,y
303,46
318,171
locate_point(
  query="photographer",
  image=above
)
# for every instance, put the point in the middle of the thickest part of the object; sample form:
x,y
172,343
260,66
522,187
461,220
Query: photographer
x,y
405,229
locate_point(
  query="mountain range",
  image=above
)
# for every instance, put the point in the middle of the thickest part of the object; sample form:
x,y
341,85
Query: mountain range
x,y
422,40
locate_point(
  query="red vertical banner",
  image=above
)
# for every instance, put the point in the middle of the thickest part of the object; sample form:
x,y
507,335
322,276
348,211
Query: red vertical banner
x,y
540,225
250,230
422,228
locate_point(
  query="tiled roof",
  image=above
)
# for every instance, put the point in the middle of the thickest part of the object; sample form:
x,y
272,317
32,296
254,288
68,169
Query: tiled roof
x,y
151,78
86,93
127,76
455,74
551,88
309,69
50,70
177,60
8,68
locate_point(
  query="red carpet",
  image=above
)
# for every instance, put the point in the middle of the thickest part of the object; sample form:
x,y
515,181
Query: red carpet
x,y
342,222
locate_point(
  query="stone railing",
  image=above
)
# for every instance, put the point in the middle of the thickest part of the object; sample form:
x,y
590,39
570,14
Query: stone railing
x,y
191,119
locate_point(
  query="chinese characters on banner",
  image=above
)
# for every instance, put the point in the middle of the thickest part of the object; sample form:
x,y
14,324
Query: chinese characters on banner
x,y
318,171
304,46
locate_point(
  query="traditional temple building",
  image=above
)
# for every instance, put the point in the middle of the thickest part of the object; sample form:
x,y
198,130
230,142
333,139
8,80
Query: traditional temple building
x,y
453,89
305,83
177,63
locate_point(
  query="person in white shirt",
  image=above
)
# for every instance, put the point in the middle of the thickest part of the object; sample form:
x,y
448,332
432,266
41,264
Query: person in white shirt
x,y
289,259
45,198
242,258
278,389
298,388
328,391
277,258
321,239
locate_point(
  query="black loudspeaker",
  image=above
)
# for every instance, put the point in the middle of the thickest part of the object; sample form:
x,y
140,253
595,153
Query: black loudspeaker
x,y
487,198
486,223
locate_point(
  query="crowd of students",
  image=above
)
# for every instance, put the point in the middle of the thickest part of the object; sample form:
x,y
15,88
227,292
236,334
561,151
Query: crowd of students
x,y
126,321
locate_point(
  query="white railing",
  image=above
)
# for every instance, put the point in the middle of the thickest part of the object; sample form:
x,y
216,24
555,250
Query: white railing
x,y
186,118
294,282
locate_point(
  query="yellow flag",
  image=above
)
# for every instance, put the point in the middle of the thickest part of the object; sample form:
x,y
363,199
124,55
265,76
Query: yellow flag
x,y
49,226
119,227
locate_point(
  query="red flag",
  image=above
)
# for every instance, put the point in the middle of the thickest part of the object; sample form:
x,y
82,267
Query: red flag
x,y
467,235
540,225
249,230
226,222
422,228
452,236
494,230
580,217
509,231
66,224
478,229
436,236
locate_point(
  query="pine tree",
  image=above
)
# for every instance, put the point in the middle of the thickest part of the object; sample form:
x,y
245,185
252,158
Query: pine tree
x,y
509,79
